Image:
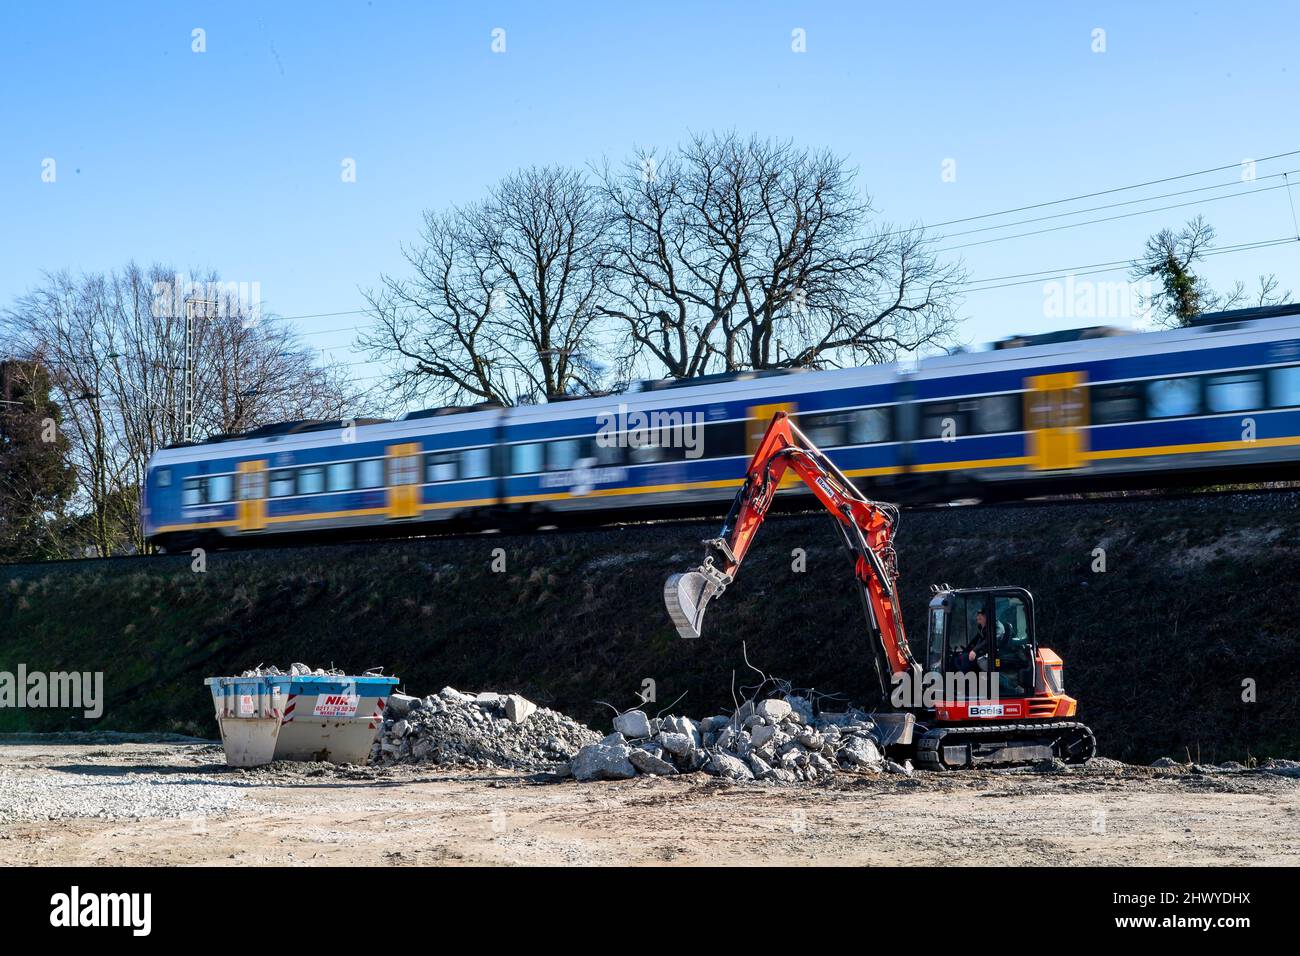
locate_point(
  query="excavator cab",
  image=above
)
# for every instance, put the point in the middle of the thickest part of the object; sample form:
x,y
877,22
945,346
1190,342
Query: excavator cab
x,y
997,670
988,632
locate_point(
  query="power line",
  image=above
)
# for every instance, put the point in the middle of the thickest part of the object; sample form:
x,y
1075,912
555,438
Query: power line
x,y
1239,247
1093,222
1107,192
1115,205
1047,278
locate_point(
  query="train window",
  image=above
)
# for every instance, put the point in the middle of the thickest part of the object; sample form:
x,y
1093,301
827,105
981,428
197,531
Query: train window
x,y
997,413
677,440
1172,397
607,450
370,473
339,476
1112,404
827,431
648,453
441,466
404,470
869,425
561,455
1284,386
1234,392
311,480
945,419
723,440
475,463
220,488
164,478
192,493
281,483
526,459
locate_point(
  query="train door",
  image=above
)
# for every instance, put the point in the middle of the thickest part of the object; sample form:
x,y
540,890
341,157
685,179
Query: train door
x,y
760,416
250,505
404,480
1056,420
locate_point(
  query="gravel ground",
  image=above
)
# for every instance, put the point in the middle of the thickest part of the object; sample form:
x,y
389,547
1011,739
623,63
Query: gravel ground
x,y
177,803
92,784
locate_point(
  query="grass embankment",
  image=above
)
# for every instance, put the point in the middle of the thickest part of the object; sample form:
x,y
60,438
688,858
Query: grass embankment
x,y
1198,596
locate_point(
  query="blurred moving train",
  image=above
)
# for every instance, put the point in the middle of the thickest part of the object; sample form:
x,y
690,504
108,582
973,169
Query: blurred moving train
x,y
1063,412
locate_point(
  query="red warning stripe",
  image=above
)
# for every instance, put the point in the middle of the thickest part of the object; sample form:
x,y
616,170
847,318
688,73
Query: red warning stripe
x,y
288,709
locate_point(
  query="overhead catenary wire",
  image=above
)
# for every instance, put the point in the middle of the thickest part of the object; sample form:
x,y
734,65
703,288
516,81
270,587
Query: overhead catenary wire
x,y
1127,215
1108,192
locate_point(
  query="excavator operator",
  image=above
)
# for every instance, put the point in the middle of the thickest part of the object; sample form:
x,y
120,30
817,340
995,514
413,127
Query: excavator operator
x,y
981,647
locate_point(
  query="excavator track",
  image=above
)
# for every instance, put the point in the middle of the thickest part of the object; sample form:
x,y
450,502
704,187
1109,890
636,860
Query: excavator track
x,y
991,745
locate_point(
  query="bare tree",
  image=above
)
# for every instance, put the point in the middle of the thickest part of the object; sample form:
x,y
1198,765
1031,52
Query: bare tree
x,y
501,303
1265,293
114,347
733,253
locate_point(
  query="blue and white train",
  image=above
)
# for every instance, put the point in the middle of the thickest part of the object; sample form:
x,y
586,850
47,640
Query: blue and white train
x,y
1059,412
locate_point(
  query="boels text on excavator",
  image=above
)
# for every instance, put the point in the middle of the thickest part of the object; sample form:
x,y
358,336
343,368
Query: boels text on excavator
x,y
986,692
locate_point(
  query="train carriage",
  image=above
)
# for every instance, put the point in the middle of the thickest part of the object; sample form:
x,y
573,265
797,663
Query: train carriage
x,y
1216,401
1064,412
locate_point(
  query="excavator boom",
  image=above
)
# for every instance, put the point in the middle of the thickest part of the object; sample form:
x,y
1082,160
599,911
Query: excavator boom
x,y
866,526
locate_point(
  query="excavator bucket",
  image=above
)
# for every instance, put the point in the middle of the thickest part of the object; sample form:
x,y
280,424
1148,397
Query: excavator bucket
x,y
687,595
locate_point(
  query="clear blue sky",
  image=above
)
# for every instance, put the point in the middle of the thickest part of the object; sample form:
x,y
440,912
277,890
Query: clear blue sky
x,y
231,158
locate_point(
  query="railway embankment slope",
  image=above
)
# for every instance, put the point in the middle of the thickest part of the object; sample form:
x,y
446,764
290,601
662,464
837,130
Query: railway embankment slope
x,y
1188,642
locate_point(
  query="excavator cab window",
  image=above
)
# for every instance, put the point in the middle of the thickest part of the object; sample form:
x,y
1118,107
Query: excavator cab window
x,y
1015,664
934,638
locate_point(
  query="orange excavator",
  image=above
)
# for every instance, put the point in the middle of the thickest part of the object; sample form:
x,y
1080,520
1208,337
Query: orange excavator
x,y
986,692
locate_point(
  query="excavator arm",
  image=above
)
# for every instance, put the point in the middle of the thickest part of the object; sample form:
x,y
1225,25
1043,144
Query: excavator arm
x,y
867,528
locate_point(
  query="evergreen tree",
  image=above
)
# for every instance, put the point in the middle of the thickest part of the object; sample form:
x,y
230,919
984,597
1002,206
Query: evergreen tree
x,y
36,479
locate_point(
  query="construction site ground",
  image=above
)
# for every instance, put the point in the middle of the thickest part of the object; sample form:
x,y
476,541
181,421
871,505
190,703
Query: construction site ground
x,y
87,803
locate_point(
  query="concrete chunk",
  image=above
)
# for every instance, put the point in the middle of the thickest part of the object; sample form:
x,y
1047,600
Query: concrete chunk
x,y
725,765
633,724
519,709
647,762
678,744
601,762
861,752
774,709
399,705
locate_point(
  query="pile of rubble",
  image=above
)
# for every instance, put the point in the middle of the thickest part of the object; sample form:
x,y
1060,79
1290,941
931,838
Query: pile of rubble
x,y
477,730
776,738
295,670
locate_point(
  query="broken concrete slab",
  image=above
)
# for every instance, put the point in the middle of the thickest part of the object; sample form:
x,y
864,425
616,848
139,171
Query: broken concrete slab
x,y
603,762
724,765
399,705
862,752
647,762
633,724
774,709
674,743
519,709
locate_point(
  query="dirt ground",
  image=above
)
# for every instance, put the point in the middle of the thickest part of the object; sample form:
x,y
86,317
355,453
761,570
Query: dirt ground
x,y
308,814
